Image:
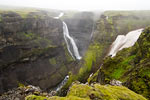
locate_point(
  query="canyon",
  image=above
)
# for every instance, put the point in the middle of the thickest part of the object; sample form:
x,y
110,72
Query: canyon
x,y
75,50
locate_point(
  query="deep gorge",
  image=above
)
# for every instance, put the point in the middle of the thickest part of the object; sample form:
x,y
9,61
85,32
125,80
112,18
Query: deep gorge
x,y
33,51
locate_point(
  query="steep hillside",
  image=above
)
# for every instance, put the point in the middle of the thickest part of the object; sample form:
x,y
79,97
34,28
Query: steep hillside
x,y
110,24
32,50
131,66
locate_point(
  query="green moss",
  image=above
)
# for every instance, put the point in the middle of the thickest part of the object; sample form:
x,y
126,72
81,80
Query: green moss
x,y
96,92
24,12
26,36
94,51
93,78
53,61
131,65
90,58
20,84
29,35
80,90
100,92
118,66
33,97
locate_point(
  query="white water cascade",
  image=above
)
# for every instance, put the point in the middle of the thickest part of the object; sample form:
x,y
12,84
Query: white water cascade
x,y
62,83
69,40
124,41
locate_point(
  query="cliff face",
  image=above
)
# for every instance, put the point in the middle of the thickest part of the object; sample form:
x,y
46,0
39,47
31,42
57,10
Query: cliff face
x,y
131,66
32,50
110,24
108,27
81,27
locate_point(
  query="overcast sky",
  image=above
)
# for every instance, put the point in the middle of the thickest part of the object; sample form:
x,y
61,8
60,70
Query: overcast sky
x,y
82,4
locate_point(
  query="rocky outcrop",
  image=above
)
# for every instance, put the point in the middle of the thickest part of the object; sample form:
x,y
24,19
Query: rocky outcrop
x,y
131,66
32,51
94,92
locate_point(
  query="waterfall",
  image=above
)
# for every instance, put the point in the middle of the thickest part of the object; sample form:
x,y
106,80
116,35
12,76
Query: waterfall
x,y
124,41
92,30
62,83
69,40
60,15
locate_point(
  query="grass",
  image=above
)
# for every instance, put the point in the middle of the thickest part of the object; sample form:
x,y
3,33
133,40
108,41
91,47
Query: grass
x,y
23,12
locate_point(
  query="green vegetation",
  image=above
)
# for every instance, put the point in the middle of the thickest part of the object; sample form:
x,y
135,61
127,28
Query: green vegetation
x,y
93,78
95,92
53,61
33,97
118,22
131,66
119,67
22,12
90,58
29,35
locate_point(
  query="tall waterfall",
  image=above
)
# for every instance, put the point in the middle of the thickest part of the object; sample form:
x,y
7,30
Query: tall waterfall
x,y
124,41
69,40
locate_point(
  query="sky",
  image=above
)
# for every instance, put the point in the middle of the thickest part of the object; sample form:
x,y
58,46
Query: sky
x,y
82,4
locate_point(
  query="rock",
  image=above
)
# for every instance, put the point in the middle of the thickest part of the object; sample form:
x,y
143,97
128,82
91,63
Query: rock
x,y
98,92
32,50
115,83
20,93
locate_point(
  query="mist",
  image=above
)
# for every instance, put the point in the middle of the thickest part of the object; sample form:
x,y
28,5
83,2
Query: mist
x,y
81,4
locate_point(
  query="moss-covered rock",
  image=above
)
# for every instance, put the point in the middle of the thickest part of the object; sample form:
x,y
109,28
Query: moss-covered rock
x,y
95,92
131,66
33,97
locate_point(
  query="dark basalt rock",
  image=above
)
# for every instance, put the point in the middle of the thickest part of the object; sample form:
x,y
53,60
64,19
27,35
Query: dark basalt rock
x,y
32,51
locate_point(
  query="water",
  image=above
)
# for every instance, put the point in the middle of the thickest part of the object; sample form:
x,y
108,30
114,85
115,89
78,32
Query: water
x,y
60,15
62,83
69,40
92,30
124,41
